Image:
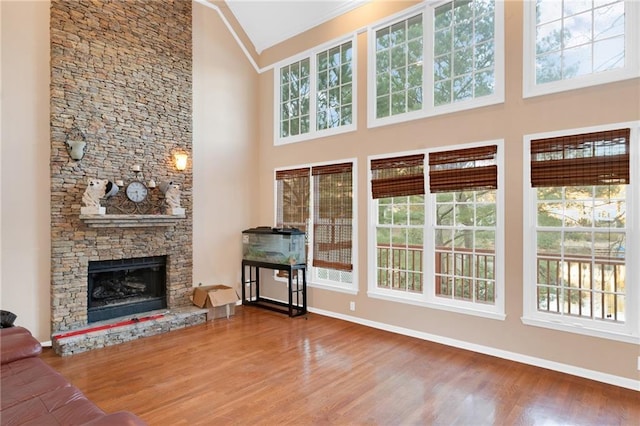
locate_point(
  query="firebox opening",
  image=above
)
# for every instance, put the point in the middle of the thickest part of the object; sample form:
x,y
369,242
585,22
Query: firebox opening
x,y
125,287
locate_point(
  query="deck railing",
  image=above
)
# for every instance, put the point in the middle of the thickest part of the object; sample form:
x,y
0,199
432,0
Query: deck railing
x,y
593,286
402,268
585,286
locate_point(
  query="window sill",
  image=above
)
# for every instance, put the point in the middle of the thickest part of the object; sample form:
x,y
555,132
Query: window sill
x,y
314,135
339,288
460,310
579,329
486,101
532,90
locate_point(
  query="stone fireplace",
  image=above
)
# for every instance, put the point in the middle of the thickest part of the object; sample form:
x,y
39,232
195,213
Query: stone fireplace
x,y
121,80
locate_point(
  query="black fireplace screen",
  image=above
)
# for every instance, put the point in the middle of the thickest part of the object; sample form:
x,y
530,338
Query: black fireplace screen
x,y
125,287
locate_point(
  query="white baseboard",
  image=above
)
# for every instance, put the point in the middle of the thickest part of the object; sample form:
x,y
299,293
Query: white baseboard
x,y
487,350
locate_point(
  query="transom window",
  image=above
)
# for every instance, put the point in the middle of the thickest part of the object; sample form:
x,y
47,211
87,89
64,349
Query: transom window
x,y
464,51
443,57
295,91
334,99
316,94
571,43
574,38
399,52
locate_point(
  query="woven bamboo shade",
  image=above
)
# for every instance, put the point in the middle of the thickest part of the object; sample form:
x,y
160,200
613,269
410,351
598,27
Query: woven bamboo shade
x,y
333,216
293,198
397,176
599,158
463,169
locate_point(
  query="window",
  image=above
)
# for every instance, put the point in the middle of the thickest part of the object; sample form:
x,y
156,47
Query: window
x,y
397,186
571,44
577,266
456,64
295,91
292,208
334,101
316,94
292,189
465,242
464,51
441,249
398,52
319,200
332,216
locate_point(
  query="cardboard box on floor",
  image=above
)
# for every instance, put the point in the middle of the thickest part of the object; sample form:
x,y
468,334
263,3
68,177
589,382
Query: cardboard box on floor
x,y
219,299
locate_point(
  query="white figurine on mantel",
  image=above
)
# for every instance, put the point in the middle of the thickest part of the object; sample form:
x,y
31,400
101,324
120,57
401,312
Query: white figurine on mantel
x,y
172,198
96,189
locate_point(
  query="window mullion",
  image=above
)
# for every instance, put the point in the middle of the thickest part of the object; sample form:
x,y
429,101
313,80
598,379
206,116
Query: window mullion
x,y
429,60
313,94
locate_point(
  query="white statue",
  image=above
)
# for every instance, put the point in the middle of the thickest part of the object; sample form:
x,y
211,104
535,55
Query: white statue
x,y
172,196
96,189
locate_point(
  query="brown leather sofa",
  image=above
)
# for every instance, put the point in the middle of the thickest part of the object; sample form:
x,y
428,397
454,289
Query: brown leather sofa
x,y
33,393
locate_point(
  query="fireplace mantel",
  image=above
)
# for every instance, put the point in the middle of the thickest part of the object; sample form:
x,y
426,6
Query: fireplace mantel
x,y
129,220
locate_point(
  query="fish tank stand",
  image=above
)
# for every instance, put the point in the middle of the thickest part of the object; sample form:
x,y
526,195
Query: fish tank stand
x,y
297,287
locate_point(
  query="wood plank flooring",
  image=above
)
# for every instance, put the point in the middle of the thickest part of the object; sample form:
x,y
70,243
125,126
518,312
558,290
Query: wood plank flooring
x,y
263,368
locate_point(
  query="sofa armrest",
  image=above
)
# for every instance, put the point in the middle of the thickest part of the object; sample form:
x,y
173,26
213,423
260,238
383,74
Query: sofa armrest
x,y
17,343
13,330
119,418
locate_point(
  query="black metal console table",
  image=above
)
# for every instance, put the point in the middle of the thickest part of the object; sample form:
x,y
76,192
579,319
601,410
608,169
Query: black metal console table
x,y
297,303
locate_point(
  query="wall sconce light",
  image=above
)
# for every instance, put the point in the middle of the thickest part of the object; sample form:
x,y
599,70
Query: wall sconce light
x,y
76,145
181,161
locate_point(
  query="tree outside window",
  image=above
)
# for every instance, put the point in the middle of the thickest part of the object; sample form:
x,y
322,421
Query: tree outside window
x,y
464,51
294,99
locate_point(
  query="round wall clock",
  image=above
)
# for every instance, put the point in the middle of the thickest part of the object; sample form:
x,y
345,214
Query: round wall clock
x,y
137,191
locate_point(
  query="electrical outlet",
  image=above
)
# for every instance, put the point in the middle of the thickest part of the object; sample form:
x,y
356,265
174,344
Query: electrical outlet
x,y
352,306
639,363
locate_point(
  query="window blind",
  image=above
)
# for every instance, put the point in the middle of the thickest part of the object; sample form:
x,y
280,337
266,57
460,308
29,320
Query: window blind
x,y
332,216
468,169
293,198
397,176
598,158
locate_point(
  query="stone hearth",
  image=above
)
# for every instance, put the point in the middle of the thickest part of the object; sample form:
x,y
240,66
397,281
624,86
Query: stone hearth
x,y
106,333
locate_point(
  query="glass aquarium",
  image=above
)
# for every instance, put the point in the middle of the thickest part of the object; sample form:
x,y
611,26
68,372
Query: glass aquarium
x,y
284,246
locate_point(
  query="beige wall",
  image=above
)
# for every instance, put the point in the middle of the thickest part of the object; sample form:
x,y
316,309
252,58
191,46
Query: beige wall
x,y
224,154
25,164
508,121
223,150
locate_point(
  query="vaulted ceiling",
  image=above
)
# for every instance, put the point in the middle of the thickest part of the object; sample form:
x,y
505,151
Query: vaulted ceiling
x,y
268,22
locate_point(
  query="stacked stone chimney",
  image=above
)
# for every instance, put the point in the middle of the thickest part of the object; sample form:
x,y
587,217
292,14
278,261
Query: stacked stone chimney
x,y
121,75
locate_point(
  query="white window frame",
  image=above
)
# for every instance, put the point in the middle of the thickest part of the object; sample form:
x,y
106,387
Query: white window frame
x,y
428,109
631,68
428,298
372,220
312,272
312,55
629,331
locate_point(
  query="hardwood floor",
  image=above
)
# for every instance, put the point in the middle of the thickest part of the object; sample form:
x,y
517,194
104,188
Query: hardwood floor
x,y
261,367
